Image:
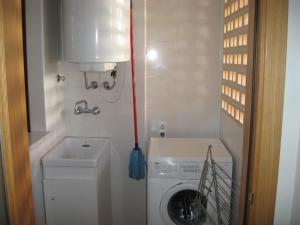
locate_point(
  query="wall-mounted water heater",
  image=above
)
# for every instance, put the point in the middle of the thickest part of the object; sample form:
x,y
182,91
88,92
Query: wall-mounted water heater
x,y
96,33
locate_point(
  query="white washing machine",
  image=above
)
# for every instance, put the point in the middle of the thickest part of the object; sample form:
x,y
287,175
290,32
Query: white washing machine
x,y
174,170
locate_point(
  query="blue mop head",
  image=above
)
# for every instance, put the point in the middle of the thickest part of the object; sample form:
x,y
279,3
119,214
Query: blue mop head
x,y
137,164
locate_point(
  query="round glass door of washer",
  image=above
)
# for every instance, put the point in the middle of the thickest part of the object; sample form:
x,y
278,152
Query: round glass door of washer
x,y
178,206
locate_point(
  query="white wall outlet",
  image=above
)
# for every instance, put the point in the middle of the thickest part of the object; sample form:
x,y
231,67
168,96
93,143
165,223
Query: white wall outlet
x,y
162,129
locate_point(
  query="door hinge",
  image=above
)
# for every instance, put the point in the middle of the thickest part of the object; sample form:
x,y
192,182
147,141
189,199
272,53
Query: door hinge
x,y
251,198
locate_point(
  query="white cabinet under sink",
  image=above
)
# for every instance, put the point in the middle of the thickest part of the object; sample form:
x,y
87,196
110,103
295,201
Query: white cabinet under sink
x,y
77,182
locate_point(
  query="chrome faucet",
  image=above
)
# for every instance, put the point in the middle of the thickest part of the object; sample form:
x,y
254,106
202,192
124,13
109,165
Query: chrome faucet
x,y
79,109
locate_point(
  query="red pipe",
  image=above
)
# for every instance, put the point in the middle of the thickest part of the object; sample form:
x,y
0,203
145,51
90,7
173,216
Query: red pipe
x,y
133,79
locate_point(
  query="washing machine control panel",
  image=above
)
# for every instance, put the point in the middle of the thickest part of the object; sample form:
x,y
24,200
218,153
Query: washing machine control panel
x,y
190,171
170,169
163,170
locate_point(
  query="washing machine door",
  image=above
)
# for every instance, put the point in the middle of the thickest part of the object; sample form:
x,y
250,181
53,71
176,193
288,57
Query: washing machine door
x,y
176,207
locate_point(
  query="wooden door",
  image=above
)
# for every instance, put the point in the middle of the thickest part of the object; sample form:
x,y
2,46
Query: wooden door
x,y
269,61
13,119
261,116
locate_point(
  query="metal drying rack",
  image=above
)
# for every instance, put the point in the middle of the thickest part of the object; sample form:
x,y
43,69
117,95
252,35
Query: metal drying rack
x,y
214,198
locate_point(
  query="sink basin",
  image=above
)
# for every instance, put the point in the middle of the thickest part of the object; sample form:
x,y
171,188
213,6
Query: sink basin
x,y
76,152
77,182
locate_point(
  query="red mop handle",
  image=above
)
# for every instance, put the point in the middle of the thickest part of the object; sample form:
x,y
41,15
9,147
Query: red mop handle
x,y
133,79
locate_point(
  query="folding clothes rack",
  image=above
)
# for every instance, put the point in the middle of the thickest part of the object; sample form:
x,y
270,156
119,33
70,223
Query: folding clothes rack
x,y
213,202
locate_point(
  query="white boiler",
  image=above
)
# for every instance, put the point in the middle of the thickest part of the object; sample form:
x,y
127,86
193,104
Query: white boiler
x,y
96,32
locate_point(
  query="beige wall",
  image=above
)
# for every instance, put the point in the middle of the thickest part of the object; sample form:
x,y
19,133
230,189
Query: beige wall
x,y
232,135
183,67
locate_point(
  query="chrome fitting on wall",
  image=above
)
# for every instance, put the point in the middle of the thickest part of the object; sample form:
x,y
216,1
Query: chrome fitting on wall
x,y
60,78
79,109
93,84
106,85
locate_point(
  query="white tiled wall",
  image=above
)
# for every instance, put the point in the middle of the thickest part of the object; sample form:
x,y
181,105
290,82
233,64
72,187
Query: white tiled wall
x,y
115,121
181,88
54,100
43,63
183,67
35,65
46,95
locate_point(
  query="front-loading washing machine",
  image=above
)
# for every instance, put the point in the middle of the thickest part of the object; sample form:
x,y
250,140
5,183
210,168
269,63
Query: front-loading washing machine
x,y
174,170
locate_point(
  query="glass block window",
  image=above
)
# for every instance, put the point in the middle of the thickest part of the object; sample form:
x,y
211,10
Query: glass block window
x,y
235,59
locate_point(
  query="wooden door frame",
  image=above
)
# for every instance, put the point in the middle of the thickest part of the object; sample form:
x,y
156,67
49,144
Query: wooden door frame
x,y
249,108
264,139
13,115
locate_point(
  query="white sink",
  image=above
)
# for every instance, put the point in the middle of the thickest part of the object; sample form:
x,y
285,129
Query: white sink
x,y
77,182
76,152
